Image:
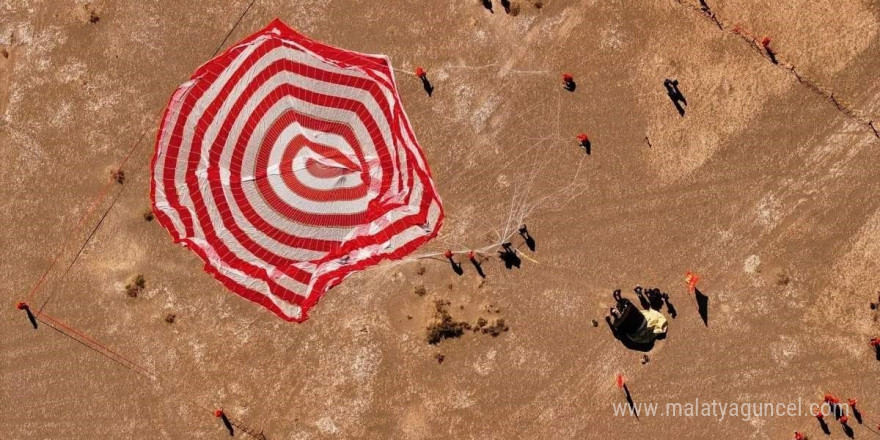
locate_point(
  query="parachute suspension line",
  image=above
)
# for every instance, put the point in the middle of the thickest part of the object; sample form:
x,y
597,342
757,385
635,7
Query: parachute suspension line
x,y
234,26
92,206
103,193
117,358
78,335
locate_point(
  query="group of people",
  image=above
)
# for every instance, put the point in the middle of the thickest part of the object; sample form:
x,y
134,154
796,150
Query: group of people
x,y
508,254
640,327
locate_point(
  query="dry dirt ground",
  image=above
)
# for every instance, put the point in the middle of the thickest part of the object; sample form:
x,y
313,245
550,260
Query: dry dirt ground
x,y
764,188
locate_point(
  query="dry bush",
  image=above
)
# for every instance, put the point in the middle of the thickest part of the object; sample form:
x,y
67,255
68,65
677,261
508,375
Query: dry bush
x,y
136,286
420,291
444,326
497,328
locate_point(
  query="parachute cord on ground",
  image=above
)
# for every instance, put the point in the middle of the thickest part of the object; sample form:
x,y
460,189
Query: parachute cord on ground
x,y
80,336
776,58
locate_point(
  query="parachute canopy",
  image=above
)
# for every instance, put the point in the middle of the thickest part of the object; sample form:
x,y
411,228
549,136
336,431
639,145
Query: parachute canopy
x,y
287,165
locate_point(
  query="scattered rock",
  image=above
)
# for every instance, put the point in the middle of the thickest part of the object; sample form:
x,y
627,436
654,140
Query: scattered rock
x,y
118,176
136,286
169,318
4,52
538,4
645,359
93,17
149,216
440,358
594,322
421,270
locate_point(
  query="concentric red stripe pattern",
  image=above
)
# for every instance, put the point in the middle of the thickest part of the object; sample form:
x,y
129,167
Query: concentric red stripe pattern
x,y
287,165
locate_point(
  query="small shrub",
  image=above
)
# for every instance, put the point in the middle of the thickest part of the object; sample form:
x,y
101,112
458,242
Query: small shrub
x,y
136,286
93,17
440,358
118,176
481,322
782,279
169,318
497,328
444,327
421,270
149,216
420,291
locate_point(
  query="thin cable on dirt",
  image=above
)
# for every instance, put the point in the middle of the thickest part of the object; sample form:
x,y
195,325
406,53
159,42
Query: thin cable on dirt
x,y
842,106
80,336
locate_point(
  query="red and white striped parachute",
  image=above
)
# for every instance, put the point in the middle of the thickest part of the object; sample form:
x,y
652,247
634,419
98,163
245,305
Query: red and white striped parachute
x,y
287,165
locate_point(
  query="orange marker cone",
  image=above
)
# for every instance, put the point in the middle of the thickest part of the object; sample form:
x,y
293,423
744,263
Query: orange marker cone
x,y
620,381
420,72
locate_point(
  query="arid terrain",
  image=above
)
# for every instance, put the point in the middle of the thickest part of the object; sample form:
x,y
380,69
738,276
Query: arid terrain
x,y
765,188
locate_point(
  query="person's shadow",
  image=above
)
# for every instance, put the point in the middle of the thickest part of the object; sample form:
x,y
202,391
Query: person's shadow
x,y
527,236
426,84
456,267
228,424
629,401
848,431
510,259
479,267
675,95
488,5
506,5
669,307
702,306
824,426
645,303
587,146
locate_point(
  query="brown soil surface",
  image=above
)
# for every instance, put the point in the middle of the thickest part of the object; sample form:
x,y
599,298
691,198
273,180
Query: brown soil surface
x,y
762,180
